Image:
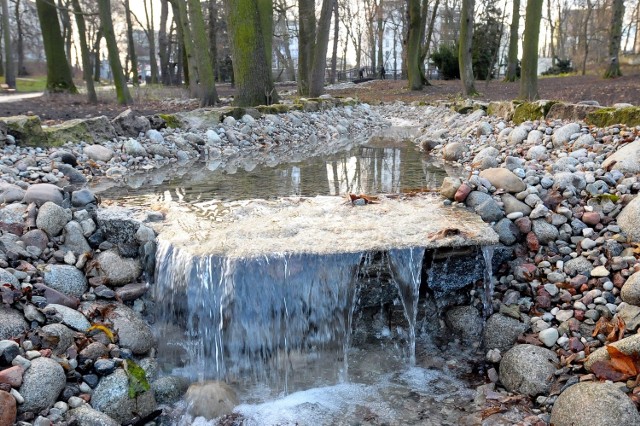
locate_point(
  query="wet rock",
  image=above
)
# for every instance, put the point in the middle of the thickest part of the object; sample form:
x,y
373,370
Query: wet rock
x,y
118,226
629,220
8,409
129,123
501,332
528,369
169,389
98,153
84,415
72,174
57,337
504,179
52,218
133,332
66,279
12,324
111,397
42,383
507,231
116,269
450,186
40,193
210,400
598,404
630,292
68,316
562,135
464,322
131,292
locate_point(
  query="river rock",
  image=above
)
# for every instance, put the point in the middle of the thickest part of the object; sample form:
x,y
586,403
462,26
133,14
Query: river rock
x,y
66,279
518,135
548,336
36,238
8,409
69,317
10,193
13,214
133,332
513,205
579,265
628,346
84,415
503,178
116,269
52,218
12,323
210,400
74,239
626,159
42,383
169,389
454,151
8,277
545,231
130,292
562,135
57,337
98,153
629,219
596,404
537,152
82,198
630,314
449,187
528,369
40,193
485,206
12,376
486,158
464,322
501,332
129,123
111,397
630,292
134,148
56,297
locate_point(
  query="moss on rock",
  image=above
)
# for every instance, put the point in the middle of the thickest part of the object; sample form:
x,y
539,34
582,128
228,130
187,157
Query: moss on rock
x,y
27,130
502,109
603,117
171,120
274,108
529,111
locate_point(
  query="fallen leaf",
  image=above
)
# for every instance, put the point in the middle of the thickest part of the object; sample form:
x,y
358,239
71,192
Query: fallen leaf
x,y
104,329
604,370
622,362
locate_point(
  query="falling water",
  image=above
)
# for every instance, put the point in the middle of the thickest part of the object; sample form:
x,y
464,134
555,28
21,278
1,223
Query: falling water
x,y
406,266
487,300
235,316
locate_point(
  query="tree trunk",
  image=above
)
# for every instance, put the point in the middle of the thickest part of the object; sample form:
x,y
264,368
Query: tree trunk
x,y
58,71
96,56
84,50
10,73
20,42
151,36
306,39
529,74
552,31
413,46
206,85
252,73
213,42
617,14
427,40
585,37
512,61
465,48
131,45
380,28
67,34
316,85
122,91
336,34
188,48
163,43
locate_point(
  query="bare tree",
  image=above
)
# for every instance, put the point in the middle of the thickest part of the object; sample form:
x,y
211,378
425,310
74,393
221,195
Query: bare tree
x,y
512,61
529,79
465,48
9,69
163,43
615,37
84,49
122,91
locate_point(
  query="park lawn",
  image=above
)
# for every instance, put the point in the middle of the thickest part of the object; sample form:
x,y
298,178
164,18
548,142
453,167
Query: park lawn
x,y
36,83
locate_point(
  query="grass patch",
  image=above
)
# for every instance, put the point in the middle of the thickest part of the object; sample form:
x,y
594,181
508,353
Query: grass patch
x,y
36,83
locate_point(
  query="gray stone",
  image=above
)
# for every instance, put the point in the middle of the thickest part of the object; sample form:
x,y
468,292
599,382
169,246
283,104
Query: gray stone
x,y
518,135
12,324
74,175
169,389
504,178
133,332
74,239
66,279
562,135
548,336
82,197
528,369
595,404
8,277
630,292
501,332
579,265
507,231
84,415
10,193
210,400
134,148
13,214
538,152
52,218
629,346
464,322
144,234
70,317
486,158
98,153
625,159
57,337
111,397
454,151
629,220
630,314
118,225
128,123
449,187
40,193
485,206
116,269
568,180
545,231
41,385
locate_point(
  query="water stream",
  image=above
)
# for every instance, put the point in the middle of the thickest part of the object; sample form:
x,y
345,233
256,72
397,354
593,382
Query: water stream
x,y
487,254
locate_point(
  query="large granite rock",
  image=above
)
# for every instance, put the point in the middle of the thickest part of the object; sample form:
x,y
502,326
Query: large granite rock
x,y
210,399
629,219
40,193
528,369
41,385
501,332
67,279
111,397
90,130
27,129
12,323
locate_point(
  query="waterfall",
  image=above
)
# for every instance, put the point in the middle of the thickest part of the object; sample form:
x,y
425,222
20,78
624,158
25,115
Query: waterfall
x,y
487,300
406,267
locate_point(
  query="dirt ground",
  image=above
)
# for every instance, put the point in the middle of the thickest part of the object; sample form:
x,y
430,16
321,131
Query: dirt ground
x,y
54,108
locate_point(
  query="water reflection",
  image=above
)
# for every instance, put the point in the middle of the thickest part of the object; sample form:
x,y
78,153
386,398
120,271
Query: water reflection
x,y
362,169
